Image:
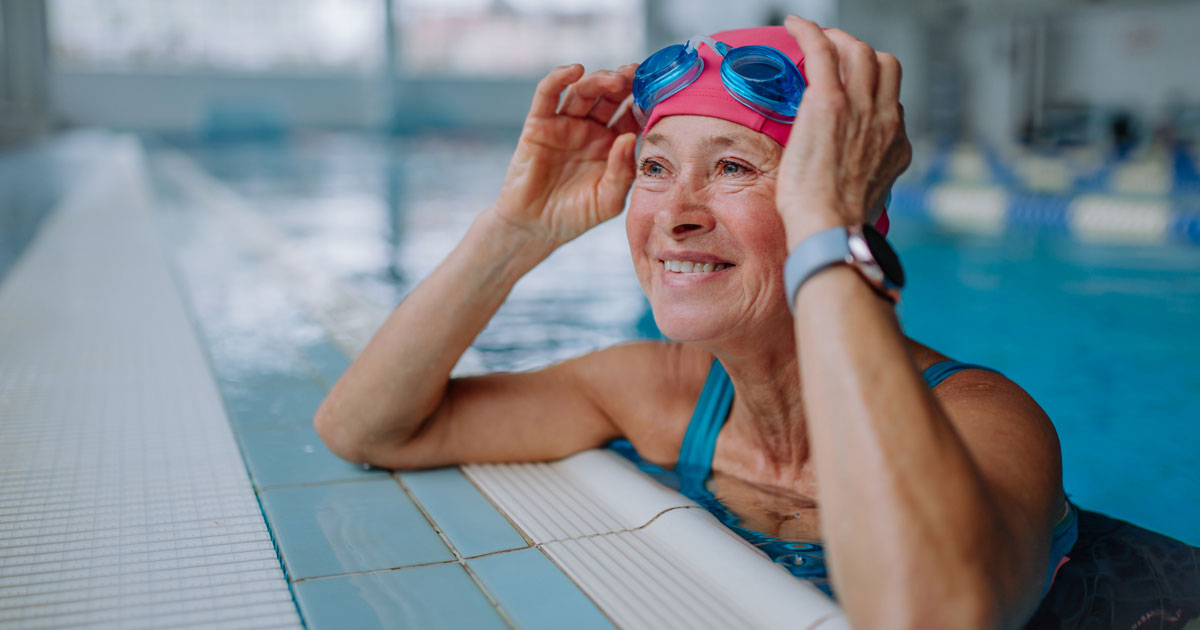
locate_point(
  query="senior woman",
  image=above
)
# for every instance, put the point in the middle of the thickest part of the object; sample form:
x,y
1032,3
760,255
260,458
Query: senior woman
x,y
938,505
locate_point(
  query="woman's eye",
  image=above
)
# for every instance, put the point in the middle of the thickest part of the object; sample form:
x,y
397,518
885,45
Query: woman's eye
x,y
732,168
652,168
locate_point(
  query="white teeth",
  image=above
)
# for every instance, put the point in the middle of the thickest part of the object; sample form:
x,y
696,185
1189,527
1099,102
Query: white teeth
x,y
687,266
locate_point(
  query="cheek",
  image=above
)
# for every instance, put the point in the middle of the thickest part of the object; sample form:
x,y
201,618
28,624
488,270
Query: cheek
x,y
767,236
639,220
758,228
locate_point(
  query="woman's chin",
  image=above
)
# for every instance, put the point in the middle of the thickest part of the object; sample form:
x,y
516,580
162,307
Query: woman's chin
x,y
688,325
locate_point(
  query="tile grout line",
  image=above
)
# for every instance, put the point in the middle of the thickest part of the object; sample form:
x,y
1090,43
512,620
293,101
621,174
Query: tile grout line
x,y
528,539
261,256
458,556
319,578
415,566
548,556
192,317
272,261
582,590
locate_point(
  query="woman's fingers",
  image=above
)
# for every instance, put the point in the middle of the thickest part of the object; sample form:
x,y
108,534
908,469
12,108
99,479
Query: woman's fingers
x,y
546,96
859,68
583,96
619,173
888,92
820,54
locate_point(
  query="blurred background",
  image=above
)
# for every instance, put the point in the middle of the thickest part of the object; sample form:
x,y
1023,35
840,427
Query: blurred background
x,y
1048,72
1049,224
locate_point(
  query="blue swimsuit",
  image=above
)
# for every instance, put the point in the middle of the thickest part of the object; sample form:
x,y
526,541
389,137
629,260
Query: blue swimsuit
x,y
803,559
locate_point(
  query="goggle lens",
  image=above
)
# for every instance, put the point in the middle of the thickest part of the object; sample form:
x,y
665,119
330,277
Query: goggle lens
x,y
662,75
764,80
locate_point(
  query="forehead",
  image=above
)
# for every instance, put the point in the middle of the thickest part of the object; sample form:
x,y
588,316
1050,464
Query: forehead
x,y
698,134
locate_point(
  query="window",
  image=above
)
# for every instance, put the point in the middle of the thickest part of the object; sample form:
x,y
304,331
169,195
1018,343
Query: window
x,y
492,38
301,36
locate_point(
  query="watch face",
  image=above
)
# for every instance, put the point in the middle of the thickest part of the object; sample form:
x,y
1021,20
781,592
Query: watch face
x,y
884,256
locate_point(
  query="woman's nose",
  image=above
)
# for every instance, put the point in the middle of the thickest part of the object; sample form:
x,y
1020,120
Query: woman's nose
x,y
685,213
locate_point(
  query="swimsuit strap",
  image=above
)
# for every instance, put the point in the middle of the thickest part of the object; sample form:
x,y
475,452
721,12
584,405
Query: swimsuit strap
x,y
942,370
700,441
802,559
716,399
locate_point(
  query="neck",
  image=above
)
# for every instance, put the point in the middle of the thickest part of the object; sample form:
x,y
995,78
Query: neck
x,y
765,438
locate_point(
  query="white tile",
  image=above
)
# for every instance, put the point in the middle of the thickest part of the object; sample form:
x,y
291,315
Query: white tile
x,y
123,497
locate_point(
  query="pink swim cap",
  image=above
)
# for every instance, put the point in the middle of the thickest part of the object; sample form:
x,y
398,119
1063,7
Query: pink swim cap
x,y
707,96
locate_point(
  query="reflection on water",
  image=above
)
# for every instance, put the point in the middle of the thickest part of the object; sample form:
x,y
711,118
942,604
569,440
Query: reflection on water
x,y
381,214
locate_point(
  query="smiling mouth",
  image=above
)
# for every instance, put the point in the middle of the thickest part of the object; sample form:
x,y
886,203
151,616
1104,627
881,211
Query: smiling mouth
x,y
688,266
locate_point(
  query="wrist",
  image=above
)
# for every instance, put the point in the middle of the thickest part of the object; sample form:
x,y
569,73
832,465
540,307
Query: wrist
x,y
506,242
860,247
799,223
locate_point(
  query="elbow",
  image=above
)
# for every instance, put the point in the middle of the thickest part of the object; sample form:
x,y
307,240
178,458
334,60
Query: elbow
x,y
356,443
338,438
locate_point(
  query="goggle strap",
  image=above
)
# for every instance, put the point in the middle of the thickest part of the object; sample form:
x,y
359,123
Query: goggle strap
x,y
622,109
693,43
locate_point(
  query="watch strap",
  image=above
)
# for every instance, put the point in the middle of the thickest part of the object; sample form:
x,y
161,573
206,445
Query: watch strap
x,y
817,252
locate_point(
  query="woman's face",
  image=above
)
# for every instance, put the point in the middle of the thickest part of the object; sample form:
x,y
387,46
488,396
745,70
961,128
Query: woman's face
x,y
704,199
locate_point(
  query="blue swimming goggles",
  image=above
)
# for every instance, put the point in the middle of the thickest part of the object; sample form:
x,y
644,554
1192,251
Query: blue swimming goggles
x,y
760,77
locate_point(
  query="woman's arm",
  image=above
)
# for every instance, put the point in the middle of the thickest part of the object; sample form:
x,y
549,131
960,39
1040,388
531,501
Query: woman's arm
x,y
396,405
938,513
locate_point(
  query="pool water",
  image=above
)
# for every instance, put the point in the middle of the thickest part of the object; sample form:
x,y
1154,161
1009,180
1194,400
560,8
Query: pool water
x,y
1103,337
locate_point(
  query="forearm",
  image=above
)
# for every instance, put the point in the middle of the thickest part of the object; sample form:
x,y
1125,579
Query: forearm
x,y
399,379
902,501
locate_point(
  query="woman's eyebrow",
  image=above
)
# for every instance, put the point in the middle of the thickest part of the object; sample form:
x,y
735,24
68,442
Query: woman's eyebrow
x,y
712,143
656,138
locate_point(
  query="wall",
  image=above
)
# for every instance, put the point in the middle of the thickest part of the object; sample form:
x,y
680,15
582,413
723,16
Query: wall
x,y
185,101
23,63
902,34
188,102
1126,56
1111,56
1135,57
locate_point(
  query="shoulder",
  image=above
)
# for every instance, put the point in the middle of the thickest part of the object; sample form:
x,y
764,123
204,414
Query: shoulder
x,y
981,396
984,390
648,389
1009,436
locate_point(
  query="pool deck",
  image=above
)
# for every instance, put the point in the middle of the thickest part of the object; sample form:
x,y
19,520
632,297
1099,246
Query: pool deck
x,y
123,501
162,351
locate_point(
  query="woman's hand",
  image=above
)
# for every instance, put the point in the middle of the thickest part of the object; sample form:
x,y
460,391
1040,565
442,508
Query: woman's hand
x,y
571,170
848,143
